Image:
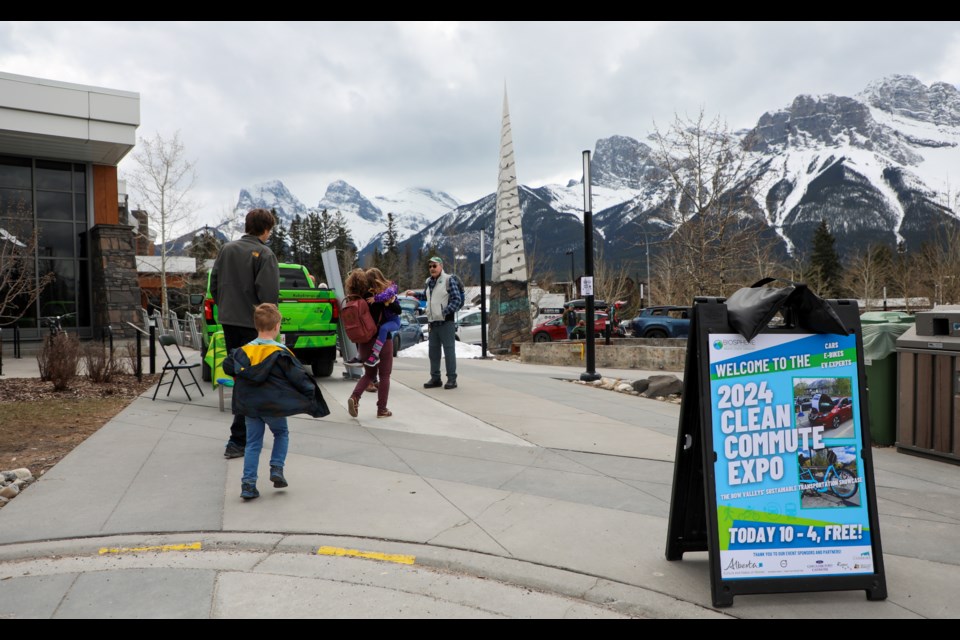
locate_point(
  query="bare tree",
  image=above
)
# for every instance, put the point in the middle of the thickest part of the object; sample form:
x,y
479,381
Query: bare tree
x,y
712,205
904,275
866,274
163,178
611,282
939,266
19,285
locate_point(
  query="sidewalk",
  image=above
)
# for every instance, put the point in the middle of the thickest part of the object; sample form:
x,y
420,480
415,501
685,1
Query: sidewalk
x,y
519,494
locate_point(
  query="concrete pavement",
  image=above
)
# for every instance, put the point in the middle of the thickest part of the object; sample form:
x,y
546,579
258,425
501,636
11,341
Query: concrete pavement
x,y
519,494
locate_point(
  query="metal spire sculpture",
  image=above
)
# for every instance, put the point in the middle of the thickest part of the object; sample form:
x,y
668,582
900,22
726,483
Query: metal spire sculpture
x,y
509,259
509,299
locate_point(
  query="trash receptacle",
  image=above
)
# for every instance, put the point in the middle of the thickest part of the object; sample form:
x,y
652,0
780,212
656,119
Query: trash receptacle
x,y
880,317
928,373
880,362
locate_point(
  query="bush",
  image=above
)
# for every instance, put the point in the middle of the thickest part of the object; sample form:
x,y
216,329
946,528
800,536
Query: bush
x,y
58,360
130,358
101,364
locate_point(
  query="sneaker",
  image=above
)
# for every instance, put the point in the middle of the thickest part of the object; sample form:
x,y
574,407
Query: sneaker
x,y
430,384
450,385
276,477
352,406
372,361
353,360
248,491
233,450
372,387
384,413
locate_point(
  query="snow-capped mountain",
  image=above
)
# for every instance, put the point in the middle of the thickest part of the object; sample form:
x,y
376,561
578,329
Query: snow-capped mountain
x,y
413,209
876,166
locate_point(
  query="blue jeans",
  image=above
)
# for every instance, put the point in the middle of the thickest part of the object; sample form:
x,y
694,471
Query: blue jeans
x,y
251,454
389,325
443,335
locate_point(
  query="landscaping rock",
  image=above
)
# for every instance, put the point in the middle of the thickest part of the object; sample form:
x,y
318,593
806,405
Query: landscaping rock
x,y
9,491
663,386
641,385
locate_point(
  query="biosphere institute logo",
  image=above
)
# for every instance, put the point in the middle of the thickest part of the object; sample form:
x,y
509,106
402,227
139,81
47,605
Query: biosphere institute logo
x,y
733,344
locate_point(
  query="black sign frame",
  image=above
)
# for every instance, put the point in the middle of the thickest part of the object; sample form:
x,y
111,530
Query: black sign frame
x,y
693,521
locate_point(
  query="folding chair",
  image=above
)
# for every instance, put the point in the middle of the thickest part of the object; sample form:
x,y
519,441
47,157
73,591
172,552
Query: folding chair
x,y
176,368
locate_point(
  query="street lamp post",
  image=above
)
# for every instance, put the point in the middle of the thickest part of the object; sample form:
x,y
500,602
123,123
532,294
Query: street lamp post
x,y
587,286
646,245
483,302
573,288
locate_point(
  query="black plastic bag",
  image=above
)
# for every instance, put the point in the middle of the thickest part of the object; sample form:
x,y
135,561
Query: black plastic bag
x,y
750,309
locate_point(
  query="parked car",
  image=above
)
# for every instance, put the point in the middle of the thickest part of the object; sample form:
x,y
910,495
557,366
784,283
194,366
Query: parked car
x,y
424,325
310,318
469,326
409,334
419,297
661,322
830,412
554,329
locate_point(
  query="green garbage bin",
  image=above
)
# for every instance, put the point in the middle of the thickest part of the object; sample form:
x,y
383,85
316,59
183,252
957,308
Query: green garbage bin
x,y
880,361
879,317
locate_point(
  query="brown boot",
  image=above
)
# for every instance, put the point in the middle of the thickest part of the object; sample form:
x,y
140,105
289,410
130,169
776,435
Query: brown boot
x,y
384,413
352,402
372,387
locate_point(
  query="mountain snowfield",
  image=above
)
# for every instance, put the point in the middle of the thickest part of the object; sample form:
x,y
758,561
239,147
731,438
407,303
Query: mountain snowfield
x,y
881,166
413,209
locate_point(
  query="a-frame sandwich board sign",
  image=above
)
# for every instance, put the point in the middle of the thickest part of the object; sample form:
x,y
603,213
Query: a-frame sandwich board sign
x,y
774,472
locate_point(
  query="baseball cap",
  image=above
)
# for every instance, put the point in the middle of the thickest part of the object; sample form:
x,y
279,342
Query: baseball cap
x,y
436,259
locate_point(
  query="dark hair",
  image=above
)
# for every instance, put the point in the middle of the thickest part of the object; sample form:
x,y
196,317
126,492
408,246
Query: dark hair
x,y
259,221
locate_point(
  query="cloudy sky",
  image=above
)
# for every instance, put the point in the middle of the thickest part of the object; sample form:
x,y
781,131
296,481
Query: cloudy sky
x,y
386,106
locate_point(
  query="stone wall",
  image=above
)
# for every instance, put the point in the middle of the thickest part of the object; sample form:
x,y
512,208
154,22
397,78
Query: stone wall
x,y
651,354
509,315
115,290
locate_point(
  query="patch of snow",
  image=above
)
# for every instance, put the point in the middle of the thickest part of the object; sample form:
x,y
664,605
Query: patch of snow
x,y
422,350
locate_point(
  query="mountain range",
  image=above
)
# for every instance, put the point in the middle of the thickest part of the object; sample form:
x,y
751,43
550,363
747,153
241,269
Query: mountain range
x,y
875,166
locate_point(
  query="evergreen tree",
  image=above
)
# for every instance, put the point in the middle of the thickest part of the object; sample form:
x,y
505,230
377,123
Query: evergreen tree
x,y
314,240
295,240
205,246
825,263
343,243
390,258
278,241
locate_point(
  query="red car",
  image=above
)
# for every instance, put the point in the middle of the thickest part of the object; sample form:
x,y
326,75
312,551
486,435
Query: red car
x,y
554,329
830,413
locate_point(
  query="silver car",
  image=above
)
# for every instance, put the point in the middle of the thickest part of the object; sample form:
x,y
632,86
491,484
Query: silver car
x,y
469,326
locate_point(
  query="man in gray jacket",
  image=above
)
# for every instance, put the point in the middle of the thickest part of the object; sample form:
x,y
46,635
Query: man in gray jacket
x,y
244,275
443,301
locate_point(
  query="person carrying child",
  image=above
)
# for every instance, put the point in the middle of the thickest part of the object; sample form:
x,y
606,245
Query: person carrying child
x,y
384,292
269,385
357,284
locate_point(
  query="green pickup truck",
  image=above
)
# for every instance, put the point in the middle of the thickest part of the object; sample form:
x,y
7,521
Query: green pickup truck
x,y
310,317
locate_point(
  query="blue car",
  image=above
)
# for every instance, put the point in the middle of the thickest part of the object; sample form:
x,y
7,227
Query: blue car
x,y
410,332
662,322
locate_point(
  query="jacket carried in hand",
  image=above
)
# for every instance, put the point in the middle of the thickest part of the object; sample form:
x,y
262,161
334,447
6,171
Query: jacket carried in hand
x,y
269,382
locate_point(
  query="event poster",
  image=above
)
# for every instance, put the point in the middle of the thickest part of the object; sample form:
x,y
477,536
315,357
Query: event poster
x,y
786,426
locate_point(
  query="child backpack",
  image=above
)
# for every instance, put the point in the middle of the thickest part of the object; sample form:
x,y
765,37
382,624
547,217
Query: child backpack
x,y
356,320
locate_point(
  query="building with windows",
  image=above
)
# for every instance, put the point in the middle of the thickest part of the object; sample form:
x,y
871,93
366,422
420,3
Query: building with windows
x,y
60,144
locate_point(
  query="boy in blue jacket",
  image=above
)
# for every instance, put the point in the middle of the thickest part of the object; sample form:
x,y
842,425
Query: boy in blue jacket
x,y
269,385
